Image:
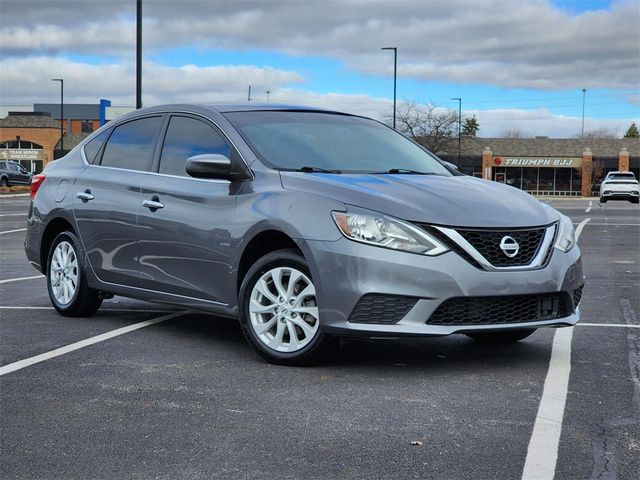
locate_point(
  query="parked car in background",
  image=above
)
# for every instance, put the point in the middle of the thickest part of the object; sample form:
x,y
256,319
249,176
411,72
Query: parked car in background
x,y
12,173
620,186
304,224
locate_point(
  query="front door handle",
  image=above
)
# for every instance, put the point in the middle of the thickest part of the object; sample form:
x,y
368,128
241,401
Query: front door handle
x,y
85,196
153,204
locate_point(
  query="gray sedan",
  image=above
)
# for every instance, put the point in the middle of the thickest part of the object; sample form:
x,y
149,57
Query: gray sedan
x,y
304,224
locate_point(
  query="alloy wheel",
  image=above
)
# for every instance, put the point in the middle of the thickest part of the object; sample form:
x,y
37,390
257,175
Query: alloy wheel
x,y
64,273
283,309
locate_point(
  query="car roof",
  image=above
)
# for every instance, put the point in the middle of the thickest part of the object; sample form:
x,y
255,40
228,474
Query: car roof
x,y
236,107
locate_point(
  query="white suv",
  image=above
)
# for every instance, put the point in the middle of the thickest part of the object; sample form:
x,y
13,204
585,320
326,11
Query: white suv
x,y
620,186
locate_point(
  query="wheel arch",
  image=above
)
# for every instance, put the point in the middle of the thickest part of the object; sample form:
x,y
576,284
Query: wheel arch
x,y
262,243
51,231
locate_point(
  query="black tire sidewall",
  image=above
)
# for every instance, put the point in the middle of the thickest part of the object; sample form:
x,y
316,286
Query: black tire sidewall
x,y
279,258
70,238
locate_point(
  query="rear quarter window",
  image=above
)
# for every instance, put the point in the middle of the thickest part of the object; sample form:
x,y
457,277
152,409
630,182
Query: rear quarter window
x,y
92,148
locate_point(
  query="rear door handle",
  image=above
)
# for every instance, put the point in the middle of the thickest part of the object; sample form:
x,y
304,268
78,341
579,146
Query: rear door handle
x,y
153,204
85,196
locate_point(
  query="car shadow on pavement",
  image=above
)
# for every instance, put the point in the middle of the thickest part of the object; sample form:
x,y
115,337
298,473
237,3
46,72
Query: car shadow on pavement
x,y
454,351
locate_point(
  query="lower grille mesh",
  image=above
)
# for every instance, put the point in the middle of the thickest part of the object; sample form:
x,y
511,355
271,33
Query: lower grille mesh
x,y
382,309
501,310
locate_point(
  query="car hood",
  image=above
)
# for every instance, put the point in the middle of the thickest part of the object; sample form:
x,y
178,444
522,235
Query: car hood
x,y
439,200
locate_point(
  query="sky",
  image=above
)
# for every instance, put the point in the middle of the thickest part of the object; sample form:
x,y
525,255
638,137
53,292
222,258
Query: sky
x,y
516,64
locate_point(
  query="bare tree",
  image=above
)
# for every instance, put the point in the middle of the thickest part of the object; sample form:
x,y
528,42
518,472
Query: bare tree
x,y
601,132
429,125
513,133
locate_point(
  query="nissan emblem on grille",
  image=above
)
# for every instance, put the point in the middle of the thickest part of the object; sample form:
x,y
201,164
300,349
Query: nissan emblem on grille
x,y
509,246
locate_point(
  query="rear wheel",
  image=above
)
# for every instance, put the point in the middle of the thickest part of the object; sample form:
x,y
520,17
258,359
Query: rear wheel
x,y
603,200
500,337
279,311
635,200
4,182
66,280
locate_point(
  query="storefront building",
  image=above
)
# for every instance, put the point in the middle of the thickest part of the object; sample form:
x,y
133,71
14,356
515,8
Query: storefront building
x,y
545,166
33,139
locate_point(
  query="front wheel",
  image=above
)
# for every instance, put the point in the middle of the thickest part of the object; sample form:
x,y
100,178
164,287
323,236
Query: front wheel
x,y
500,337
279,311
4,182
66,280
603,200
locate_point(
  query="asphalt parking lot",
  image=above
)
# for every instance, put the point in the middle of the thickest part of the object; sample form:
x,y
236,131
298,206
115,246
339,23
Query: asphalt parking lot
x,y
186,397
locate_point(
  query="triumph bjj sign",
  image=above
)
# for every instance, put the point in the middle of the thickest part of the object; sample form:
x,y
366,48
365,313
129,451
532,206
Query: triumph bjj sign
x,y
570,162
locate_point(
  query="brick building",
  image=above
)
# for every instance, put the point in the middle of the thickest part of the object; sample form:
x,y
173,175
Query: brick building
x,y
545,166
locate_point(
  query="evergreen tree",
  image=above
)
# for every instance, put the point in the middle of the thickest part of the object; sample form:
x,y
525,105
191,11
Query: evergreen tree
x,y
470,126
632,132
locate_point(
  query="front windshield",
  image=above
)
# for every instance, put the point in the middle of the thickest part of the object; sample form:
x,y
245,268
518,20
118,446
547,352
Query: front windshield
x,y
291,140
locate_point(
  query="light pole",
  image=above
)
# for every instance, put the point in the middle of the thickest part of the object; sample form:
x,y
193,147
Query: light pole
x,y
459,124
584,93
395,78
61,110
268,92
139,54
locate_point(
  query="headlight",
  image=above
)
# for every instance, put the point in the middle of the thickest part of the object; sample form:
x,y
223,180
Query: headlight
x,y
567,235
386,232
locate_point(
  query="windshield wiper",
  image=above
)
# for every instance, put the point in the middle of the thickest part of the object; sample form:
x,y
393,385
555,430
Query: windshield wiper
x,y
408,171
306,169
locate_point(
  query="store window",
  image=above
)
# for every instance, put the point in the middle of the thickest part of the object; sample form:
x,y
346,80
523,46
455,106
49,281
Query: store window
x,y
28,154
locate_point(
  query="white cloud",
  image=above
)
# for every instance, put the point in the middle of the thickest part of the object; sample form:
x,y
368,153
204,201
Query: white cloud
x,y
525,43
27,81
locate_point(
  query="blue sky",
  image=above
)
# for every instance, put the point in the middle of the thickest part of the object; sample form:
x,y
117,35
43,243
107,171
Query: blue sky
x,y
515,63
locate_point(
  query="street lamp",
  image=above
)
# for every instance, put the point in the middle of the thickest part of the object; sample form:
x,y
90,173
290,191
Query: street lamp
x,y
395,78
61,110
139,54
459,124
584,93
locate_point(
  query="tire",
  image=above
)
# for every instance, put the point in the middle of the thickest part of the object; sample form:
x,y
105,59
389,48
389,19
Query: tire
x,y
603,200
260,304
635,200
496,338
4,182
66,279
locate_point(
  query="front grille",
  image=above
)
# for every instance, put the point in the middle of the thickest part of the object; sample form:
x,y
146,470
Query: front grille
x,y
487,243
577,296
501,310
382,309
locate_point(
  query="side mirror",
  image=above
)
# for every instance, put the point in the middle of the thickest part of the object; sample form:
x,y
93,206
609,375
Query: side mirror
x,y
209,165
449,165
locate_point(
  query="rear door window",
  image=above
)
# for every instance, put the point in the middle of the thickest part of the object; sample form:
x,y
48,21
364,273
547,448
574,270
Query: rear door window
x,y
132,144
186,137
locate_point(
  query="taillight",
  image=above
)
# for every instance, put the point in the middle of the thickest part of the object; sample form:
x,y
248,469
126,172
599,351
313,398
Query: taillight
x,y
36,181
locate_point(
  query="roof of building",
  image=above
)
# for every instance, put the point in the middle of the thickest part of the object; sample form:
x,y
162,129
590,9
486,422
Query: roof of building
x,y
542,146
28,120
72,140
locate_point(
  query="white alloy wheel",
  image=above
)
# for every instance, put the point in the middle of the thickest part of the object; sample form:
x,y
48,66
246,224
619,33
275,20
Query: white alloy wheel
x,y
283,309
63,276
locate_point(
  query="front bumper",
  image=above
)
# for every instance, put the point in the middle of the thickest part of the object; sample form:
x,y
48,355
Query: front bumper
x,y
344,271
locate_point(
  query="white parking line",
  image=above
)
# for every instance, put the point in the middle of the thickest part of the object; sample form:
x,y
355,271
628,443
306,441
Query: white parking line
x,y
588,209
542,453
12,367
141,310
619,325
19,279
13,215
13,231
